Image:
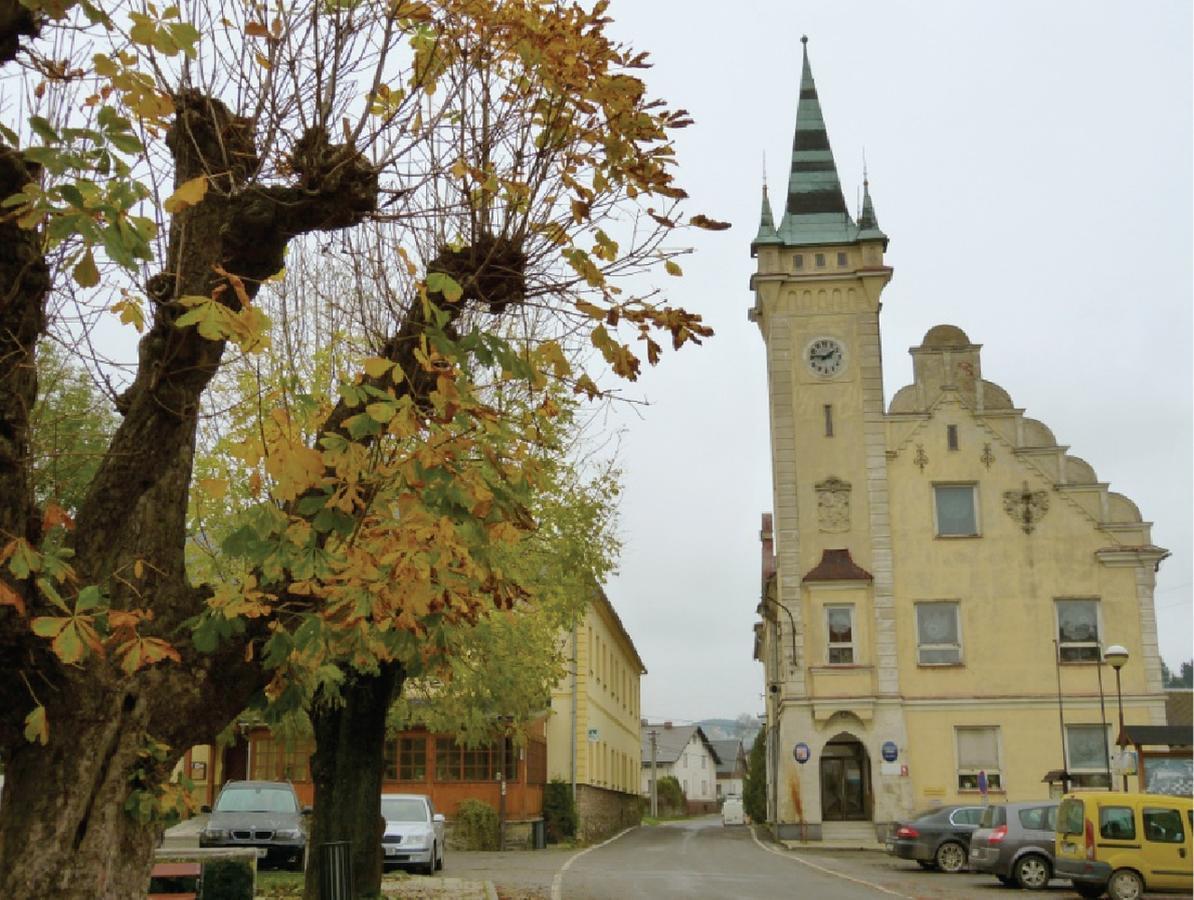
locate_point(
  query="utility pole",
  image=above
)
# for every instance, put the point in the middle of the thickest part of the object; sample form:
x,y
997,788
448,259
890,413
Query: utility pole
x,y
654,783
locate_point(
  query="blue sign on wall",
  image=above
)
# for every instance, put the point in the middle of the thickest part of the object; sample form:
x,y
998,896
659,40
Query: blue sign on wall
x,y
801,752
890,751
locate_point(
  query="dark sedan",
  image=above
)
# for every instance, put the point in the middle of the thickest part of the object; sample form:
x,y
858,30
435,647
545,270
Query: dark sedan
x,y
937,838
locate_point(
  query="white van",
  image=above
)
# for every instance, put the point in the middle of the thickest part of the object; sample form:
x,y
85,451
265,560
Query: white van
x,y
731,811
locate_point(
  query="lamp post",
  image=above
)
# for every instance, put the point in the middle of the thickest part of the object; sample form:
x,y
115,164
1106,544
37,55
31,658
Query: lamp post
x,y
1117,656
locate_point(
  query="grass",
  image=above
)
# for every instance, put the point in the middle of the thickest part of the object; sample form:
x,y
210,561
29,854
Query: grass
x,y
279,884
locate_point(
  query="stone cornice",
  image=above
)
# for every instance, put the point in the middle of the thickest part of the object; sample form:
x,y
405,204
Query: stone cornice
x,y
1126,557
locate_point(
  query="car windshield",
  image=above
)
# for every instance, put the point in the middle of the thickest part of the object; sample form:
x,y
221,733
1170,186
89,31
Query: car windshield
x,y
256,799
404,809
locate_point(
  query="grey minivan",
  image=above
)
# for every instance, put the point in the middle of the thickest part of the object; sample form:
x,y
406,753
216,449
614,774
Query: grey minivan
x,y
1014,842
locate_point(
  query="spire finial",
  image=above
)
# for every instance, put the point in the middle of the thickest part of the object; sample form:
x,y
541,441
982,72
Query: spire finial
x,y
865,183
804,39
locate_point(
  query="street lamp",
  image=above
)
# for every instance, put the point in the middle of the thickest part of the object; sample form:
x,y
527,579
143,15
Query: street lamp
x,y
1117,656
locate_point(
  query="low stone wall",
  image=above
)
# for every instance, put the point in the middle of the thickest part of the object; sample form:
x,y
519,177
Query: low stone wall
x,y
520,835
601,813
702,807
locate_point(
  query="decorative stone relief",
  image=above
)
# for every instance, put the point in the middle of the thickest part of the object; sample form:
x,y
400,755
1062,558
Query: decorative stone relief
x,y
921,458
988,457
833,504
1026,507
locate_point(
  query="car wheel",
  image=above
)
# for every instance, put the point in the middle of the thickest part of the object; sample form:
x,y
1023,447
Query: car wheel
x,y
439,861
951,857
1032,872
429,869
1124,884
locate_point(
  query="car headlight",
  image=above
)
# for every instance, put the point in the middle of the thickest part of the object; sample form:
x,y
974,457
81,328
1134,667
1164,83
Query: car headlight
x,y
288,834
214,834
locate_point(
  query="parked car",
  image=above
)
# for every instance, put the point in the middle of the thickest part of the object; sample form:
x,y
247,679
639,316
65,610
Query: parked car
x,y
414,834
732,812
1014,842
937,838
1123,844
263,814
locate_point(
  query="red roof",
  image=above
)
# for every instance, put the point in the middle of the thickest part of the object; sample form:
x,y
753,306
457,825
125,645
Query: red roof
x,y
836,565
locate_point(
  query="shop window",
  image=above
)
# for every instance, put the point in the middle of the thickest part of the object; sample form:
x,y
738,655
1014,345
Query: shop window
x,y
938,634
956,507
978,754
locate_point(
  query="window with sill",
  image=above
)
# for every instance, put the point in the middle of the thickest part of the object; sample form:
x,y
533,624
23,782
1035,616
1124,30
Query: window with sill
x,y
841,260
406,759
956,507
978,753
938,634
839,625
1087,756
820,260
1078,631
798,261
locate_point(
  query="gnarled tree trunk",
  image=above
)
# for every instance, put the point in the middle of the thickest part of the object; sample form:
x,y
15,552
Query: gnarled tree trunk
x,y
347,771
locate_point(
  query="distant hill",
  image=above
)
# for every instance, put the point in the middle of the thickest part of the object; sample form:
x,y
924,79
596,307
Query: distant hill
x,y
743,728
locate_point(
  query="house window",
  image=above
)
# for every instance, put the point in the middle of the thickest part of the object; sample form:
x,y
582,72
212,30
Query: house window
x,y
951,437
1078,630
841,260
277,759
839,625
978,752
798,261
820,259
938,635
828,420
1087,756
406,759
957,510
449,757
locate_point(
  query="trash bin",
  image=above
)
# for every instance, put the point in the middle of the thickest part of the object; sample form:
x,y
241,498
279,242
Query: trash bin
x,y
335,871
539,834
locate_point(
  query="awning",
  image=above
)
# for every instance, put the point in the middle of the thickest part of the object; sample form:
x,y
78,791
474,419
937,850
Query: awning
x,y
1158,735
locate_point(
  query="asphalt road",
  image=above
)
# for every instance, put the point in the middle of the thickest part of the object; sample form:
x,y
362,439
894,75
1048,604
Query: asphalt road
x,y
702,860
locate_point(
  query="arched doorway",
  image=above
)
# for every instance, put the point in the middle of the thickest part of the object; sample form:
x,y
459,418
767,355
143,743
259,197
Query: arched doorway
x,y
845,780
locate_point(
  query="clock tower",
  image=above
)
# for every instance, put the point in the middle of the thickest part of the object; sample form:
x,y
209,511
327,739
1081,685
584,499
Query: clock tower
x,y
833,676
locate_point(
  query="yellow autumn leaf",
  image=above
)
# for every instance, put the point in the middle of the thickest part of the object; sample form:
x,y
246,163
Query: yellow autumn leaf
x,y
376,366
36,728
186,194
672,268
86,274
215,488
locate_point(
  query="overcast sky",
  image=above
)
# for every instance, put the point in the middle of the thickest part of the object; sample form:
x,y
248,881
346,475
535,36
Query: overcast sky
x,y
1031,163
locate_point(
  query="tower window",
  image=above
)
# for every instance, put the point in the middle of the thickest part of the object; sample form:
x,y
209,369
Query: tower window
x,y
951,436
820,258
841,260
798,261
828,420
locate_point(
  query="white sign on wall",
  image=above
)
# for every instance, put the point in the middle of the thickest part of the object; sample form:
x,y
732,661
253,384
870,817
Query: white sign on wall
x,y
594,735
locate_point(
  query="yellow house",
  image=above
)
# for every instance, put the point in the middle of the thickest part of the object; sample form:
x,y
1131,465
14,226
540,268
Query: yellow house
x,y
593,731
941,577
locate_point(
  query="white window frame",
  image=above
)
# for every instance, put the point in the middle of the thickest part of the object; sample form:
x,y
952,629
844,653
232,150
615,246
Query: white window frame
x,y
1097,643
1093,777
994,776
978,517
830,645
920,645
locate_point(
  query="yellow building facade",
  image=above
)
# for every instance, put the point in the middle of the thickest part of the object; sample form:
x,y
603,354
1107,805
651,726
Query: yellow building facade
x,y
941,577
593,730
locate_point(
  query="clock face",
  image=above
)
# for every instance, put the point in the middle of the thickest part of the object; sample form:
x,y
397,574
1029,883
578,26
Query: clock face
x,y
825,357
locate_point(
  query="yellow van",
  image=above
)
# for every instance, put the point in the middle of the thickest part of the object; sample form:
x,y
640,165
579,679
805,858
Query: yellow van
x,y
1122,844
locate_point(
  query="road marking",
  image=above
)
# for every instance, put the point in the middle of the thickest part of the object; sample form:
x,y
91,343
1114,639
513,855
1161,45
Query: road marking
x,y
787,854
557,881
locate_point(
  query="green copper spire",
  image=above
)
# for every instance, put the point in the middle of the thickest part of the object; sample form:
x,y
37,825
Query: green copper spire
x,y
816,210
868,223
766,233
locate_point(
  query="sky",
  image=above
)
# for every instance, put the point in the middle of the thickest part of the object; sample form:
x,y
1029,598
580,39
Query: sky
x,y
1031,163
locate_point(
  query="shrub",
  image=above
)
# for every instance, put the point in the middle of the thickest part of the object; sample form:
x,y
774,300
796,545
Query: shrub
x,y
754,794
227,879
559,811
672,801
476,825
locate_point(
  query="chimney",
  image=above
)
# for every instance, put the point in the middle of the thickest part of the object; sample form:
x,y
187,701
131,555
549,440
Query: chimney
x,y
767,538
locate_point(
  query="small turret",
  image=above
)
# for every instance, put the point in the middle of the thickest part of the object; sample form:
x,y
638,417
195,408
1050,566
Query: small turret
x,y
766,233
868,222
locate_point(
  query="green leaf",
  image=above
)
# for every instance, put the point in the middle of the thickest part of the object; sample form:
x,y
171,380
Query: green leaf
x,y
43,129
311,504
86,274
361,425
446,285
89,598
125,142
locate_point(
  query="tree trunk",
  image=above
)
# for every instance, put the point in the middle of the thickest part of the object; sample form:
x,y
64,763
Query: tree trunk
x,y
347,769
65,832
